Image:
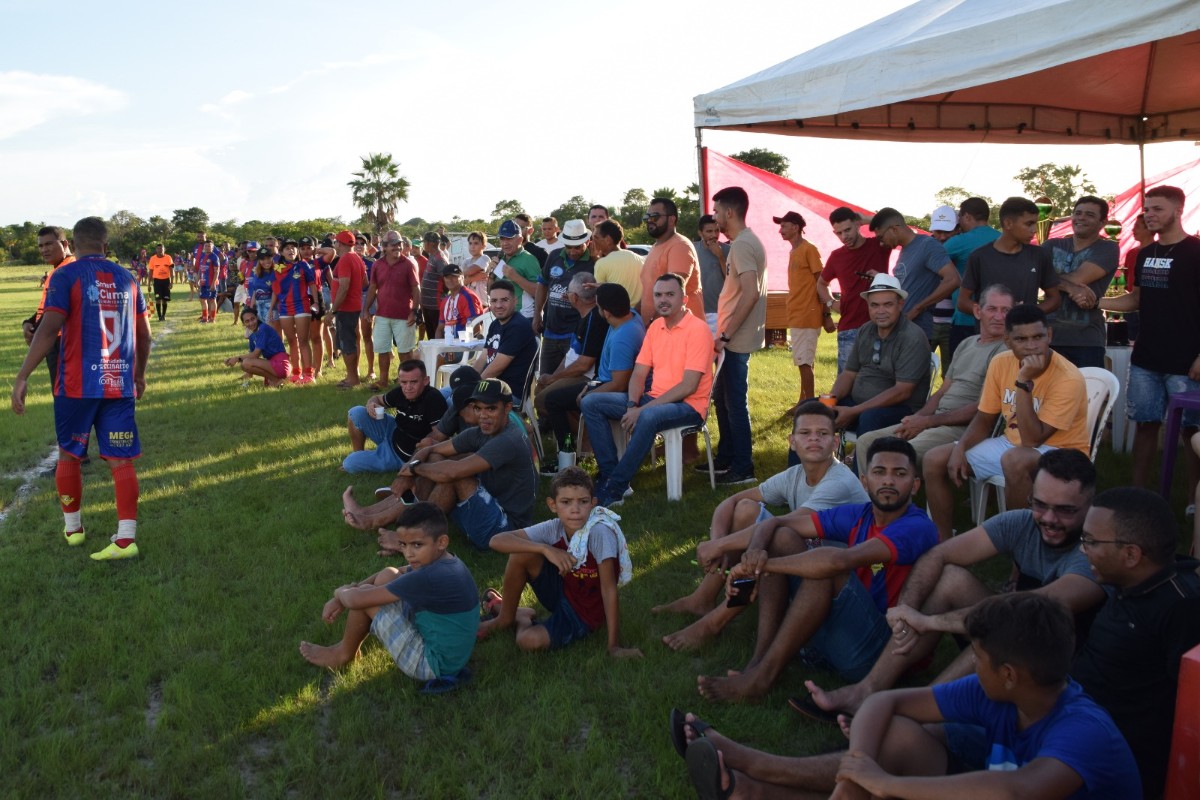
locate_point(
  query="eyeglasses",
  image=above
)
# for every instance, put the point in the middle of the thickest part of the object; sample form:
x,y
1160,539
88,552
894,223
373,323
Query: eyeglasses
x,y
1089,541
656,215
877,346
1059,511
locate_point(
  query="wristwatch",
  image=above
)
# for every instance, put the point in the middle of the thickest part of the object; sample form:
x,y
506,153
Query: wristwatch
x,y
1026,385
724,338
630,403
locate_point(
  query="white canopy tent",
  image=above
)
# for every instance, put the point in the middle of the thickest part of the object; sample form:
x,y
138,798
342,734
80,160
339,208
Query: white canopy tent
x,y
1019,71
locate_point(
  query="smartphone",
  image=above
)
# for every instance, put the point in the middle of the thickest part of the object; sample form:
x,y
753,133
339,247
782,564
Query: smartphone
x,y
745,587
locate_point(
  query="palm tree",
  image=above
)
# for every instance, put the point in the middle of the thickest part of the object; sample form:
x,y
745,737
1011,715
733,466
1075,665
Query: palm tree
x,y
379,189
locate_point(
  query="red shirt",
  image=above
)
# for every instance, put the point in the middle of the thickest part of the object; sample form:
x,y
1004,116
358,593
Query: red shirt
x,y
350,267
395,285
845,265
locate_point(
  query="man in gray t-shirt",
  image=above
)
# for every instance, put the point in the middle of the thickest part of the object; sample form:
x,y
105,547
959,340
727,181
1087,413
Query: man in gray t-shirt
x,y
945,417
1043,542
887,373
817,483
483,478
711,253
1085,265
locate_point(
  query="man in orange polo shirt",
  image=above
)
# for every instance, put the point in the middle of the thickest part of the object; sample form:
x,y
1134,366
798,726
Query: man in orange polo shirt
x,y
672,252
678,352
160,266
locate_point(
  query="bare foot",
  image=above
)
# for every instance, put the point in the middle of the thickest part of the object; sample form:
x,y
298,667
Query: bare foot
x,y
323,656
847,698
684,605
389,541
731,689
488,627
691,637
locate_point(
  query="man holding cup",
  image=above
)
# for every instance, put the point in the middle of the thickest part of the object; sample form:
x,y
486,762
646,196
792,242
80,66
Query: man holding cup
x,y
417,407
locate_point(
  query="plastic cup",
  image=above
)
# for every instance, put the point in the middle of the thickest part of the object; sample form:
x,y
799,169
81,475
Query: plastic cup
x,y
566,460
464,336
380,412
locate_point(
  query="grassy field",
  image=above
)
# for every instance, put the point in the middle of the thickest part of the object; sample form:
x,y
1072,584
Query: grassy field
x,y
178,675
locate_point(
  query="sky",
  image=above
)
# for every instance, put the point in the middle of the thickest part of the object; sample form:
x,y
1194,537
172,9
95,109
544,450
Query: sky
x,y
263,110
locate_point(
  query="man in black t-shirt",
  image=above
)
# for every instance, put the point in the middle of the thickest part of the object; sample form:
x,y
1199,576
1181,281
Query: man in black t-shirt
x,y
1166,355
511,345
417,406
1012,261
1130,661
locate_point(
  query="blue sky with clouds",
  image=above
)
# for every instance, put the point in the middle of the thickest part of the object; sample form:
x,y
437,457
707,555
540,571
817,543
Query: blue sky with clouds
x,y
262,109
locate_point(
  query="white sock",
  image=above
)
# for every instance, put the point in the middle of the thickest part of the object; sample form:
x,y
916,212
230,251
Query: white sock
x,y
71,521
127,529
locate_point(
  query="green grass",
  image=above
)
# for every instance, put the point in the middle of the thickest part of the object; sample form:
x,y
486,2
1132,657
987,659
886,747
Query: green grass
x,y
177,674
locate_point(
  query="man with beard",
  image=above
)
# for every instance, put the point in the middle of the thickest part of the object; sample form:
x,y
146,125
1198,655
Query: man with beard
x,y
1043,542
672,252
1166,355
1085,264
831,607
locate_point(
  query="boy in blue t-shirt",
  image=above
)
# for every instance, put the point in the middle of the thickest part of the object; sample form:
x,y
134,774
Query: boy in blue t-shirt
x,y
574,564
426,614
1019,721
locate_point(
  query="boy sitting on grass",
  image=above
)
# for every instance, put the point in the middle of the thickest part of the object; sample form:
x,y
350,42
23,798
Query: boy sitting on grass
x,y
425,614
573,563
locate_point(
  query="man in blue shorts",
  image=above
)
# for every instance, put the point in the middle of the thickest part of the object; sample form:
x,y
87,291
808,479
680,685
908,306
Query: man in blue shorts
x,y
833,600
100,310
483,478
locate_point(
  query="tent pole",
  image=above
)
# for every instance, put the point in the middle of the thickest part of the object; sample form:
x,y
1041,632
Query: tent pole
x,y
1142,164
700,168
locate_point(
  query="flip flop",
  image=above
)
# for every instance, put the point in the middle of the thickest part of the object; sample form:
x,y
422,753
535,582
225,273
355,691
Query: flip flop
x,y
490,604
807,707
704,768
679,736
447,683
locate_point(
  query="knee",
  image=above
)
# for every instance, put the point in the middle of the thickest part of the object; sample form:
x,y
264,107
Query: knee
x,y
745,513
533,638
1018,460
386,575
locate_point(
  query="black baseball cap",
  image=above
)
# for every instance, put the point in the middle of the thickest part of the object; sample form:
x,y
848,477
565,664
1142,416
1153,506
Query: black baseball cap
x,y
492,390
452,269
464,376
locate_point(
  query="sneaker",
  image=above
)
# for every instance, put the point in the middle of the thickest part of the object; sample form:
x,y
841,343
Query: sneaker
x,y
75,538
294,378
729,478
114,553
383,492
702,466
608,501
307,379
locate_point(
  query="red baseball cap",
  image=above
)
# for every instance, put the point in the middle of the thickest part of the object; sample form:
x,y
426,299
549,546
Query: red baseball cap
x,y
346,238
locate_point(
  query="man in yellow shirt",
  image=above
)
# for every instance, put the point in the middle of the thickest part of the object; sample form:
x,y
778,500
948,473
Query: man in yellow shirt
x,y
805,309
1043,400
160,266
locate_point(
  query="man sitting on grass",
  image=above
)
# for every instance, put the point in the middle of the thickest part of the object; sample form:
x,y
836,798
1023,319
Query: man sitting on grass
x,y
574,564
483,478
832,600
741,522
1043,543
1018,727
416,407
426,614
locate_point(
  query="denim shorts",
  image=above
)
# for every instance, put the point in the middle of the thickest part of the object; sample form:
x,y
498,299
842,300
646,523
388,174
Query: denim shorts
x,y
480,517
383,458
563,625
1149,393
984,457
852,636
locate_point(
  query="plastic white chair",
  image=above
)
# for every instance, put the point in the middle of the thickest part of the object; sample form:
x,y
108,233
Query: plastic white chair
x,y
527,409
1102,387
673,444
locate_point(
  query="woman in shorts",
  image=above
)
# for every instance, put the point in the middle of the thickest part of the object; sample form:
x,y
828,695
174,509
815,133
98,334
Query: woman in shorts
x,y
293,296
267,359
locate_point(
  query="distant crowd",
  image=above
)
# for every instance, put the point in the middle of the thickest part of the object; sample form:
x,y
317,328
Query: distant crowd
x,y
1065,683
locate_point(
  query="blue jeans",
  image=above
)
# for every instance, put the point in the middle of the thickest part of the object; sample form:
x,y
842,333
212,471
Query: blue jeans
x,y
384,457
598,408
846,340
733,414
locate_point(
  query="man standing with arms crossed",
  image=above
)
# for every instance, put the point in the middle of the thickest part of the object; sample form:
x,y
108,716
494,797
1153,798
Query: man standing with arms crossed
x,y
350,274
102,369
52,244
